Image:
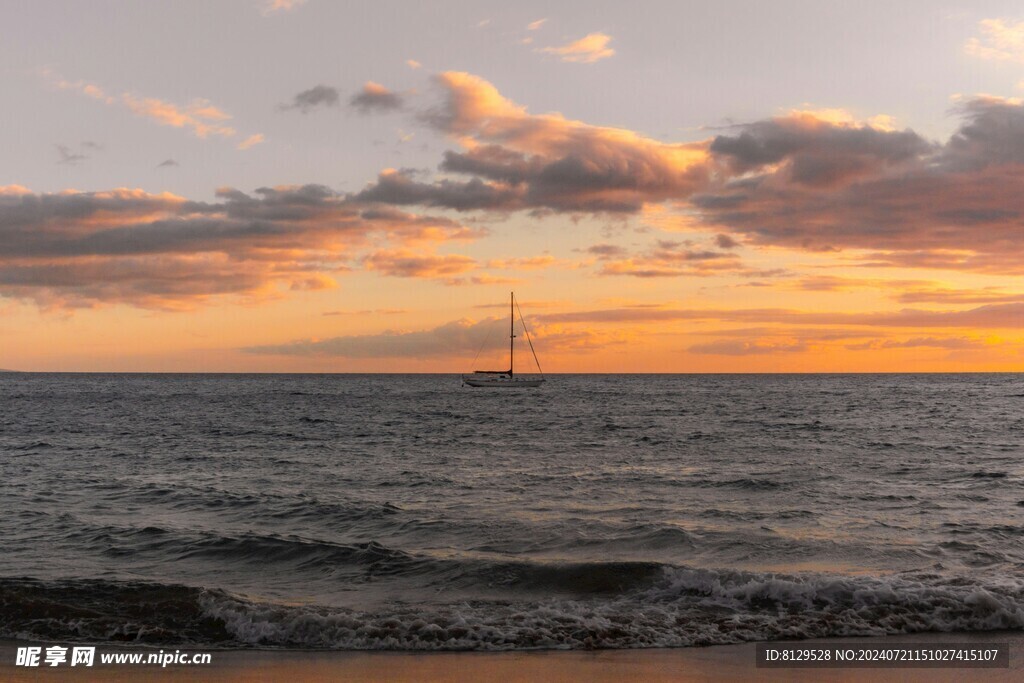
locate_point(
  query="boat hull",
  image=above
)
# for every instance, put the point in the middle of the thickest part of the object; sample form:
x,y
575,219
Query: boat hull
x,y
494,383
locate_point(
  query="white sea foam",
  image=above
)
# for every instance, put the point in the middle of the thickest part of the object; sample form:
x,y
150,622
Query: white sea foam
x,y
688,607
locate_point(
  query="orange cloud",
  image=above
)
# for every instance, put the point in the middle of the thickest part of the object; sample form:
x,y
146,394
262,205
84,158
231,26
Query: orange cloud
x,y
406,263
369,311
200,116
666,258
988,295
737,347
1001,40
820,186
314,282
80,249
275,6
90,89
1009,316
953,343
761,343
251,141
528,263
519,160
905,291
532,305
815,180
591,48
487,279
375,97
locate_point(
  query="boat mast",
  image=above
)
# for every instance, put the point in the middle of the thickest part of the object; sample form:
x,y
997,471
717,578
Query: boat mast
x,y
511,332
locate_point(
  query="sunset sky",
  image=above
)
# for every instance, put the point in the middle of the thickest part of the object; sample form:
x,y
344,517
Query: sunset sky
x,y
315,186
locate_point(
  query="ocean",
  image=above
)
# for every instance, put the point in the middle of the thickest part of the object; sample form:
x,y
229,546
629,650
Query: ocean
x,y
406,512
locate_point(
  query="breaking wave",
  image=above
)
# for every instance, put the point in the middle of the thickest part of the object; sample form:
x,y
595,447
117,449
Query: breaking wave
x,y
628,607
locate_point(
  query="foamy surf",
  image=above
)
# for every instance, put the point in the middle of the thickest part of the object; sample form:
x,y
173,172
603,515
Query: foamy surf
x,y
679,607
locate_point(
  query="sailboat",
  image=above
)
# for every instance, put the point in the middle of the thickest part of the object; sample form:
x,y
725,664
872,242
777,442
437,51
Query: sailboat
x,y
506,379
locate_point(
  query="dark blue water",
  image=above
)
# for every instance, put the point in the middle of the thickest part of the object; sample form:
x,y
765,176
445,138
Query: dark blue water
x,y
383,512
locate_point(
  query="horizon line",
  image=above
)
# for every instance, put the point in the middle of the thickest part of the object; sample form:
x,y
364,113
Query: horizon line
x,y
233,372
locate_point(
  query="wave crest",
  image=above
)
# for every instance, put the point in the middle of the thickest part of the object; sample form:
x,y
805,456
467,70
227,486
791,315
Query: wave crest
x,y
672,607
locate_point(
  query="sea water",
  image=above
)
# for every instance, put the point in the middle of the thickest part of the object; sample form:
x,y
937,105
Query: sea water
x,y
599,511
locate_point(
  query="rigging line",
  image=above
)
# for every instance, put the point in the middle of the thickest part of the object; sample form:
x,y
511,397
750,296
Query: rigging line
x,y
529,341
487,338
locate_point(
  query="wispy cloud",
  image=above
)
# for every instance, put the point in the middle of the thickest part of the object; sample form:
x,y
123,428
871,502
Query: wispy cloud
x,y
534,25
995,316
408,263
368,311
274,6
1000,40
523,263
941,295
68,157
587,50
251,141
455,339
760,341
199,116
739,347
666,258
955,343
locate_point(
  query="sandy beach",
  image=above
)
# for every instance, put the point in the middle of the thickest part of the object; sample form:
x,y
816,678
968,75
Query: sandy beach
x,y
719,663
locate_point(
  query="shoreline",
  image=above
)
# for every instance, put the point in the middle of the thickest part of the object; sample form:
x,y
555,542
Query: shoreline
x,y
717,662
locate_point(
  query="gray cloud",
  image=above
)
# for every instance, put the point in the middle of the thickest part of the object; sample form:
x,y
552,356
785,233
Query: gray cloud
x,y
959,296
725,242
374,97
916,203
797,181
160,250
68,157
399,187
456,339
167,163
738,347
607,251
995,316
453,338
952,343
992,135
669,258
548,162
405,263
162,282
317,96
765,341
817,155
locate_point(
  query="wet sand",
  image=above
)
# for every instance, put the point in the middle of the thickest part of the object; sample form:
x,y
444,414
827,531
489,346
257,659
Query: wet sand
x,y
719,663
